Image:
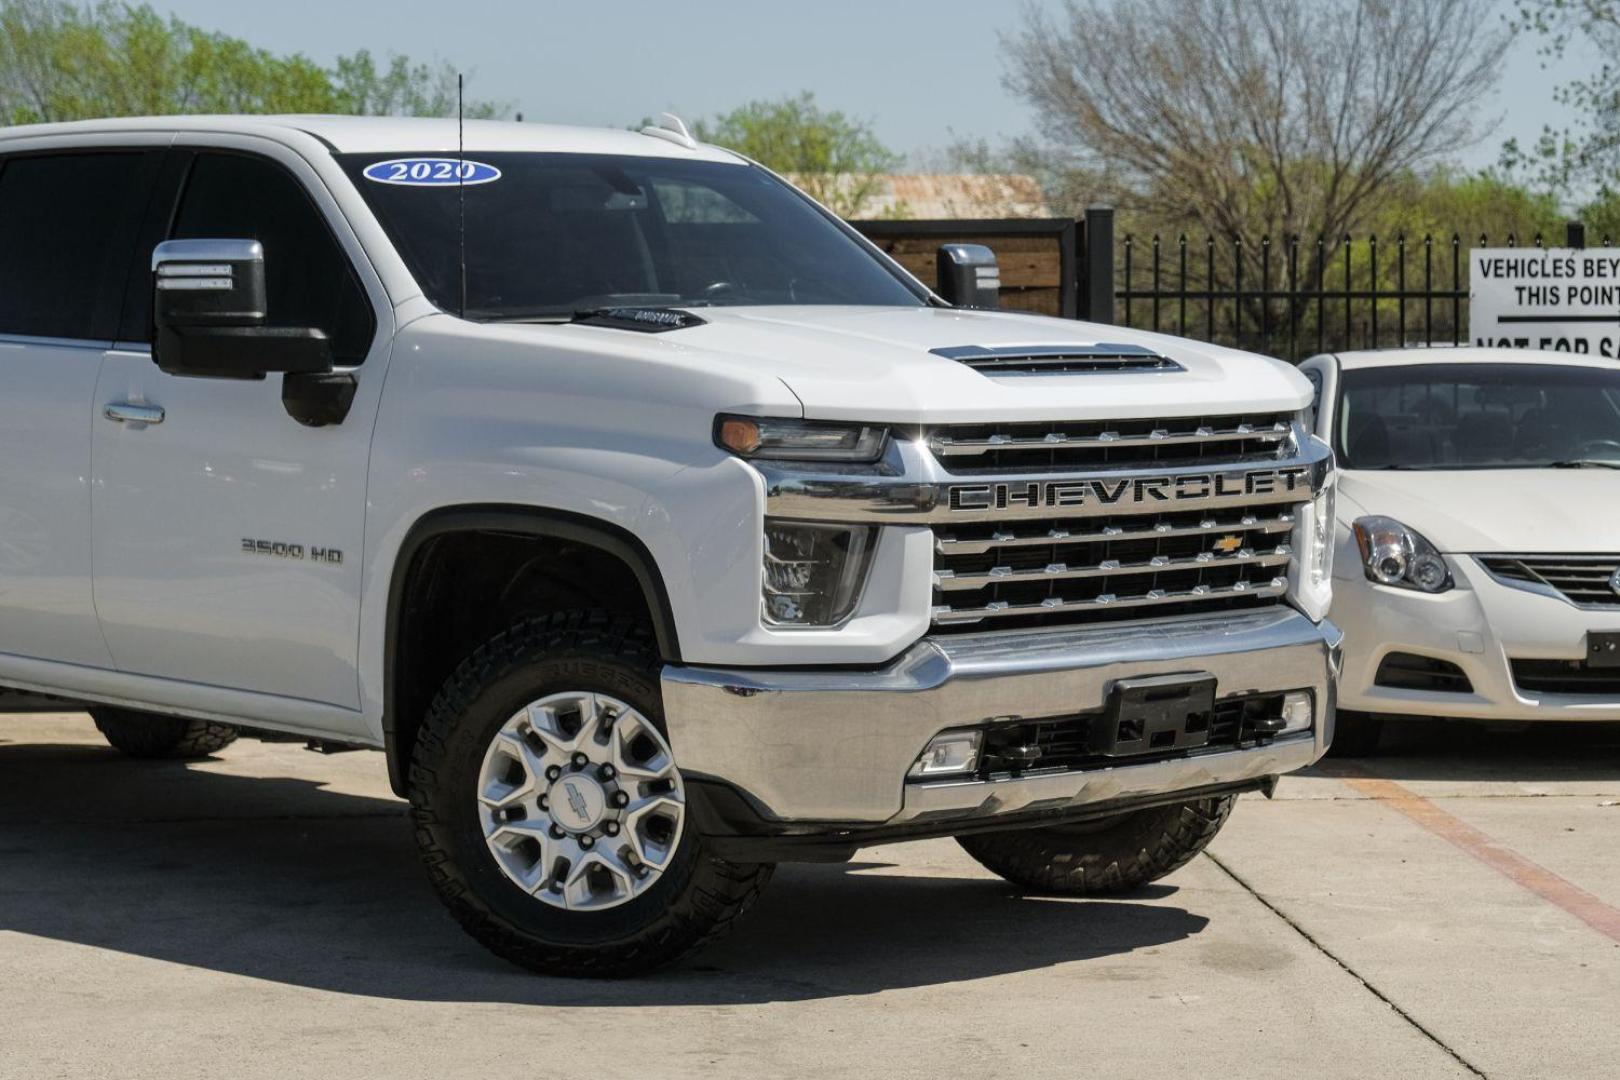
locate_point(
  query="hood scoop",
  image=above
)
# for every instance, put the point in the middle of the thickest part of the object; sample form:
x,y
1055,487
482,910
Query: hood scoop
x,y
1099,359
646,320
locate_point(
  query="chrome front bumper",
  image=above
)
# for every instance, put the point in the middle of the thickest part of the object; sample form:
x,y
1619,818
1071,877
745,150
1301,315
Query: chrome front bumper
x,y
835,746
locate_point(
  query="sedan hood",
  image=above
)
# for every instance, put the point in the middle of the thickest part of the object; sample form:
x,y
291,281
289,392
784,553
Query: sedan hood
x,y
1482,511
879,364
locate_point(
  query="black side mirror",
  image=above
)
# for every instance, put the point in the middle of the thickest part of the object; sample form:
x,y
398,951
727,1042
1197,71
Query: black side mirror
x,y
969,276
209,313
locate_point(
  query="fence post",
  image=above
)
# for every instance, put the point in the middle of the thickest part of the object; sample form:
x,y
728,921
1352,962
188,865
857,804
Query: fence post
x,y
1575,234
1097,282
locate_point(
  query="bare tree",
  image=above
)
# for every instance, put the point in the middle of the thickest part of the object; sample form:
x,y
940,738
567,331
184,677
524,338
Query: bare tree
x,y
1258,117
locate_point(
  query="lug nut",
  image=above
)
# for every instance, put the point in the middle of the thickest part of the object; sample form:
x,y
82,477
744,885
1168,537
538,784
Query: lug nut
x,y
586,842
621,798
607,772
580,760
557,832
545,803
553,772
611,828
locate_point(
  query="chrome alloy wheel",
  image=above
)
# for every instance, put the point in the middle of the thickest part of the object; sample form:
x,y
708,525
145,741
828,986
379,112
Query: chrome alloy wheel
x,y
580,800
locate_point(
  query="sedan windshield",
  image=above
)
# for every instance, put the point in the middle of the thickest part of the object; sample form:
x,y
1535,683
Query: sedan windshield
x,y
552,235
1479,416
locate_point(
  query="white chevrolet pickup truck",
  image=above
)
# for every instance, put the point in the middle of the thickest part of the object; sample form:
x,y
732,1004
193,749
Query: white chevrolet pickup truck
x,y
655,525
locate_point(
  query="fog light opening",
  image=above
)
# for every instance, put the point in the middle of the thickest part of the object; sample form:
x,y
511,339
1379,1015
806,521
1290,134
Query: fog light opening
x,y
950,753
1297,713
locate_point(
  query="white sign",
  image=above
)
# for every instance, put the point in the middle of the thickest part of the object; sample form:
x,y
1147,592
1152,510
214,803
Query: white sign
x,y
1561,299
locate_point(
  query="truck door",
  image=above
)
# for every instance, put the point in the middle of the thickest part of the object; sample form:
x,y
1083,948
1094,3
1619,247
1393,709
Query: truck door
x,y
227,535
67,238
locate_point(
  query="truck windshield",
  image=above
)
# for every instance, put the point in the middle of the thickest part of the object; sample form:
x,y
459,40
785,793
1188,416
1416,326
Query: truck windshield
x,y
555,234
1479,416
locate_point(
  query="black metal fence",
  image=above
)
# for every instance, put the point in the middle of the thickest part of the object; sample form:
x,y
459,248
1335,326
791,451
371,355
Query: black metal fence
x,y
1290,298
1296,297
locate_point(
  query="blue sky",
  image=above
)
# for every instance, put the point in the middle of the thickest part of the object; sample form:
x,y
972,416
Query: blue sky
x,y
920,70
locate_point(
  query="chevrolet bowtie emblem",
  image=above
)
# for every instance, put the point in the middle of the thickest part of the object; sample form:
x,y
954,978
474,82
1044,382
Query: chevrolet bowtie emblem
x,y
576,801
1228,544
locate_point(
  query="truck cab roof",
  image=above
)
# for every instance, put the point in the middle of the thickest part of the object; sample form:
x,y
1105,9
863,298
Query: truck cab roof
x,y
387,134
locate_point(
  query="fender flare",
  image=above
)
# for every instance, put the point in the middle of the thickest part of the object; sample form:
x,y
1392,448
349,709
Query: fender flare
x,y
521,521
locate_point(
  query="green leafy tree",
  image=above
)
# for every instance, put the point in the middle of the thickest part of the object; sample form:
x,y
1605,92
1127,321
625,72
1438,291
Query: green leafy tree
x,y
63,62
1583,158
401,88
836,158
1443,201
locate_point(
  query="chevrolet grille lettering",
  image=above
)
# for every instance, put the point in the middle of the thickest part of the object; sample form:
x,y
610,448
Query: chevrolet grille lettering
x,y
1151,490
1025,495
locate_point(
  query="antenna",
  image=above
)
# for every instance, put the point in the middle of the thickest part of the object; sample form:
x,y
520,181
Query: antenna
x,y
672,129
461,189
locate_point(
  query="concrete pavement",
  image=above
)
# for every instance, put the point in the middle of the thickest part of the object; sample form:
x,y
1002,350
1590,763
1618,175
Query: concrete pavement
x,y
262,914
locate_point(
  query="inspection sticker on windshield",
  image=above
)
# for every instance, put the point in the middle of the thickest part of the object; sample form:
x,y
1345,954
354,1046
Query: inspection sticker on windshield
x,y
431,172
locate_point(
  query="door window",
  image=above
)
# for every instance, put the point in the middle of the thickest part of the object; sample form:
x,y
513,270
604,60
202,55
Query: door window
x,y
67,226
308,279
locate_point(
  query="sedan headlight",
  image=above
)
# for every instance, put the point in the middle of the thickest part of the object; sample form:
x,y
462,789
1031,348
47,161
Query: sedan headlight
x,y
814,573
1392,554
763,438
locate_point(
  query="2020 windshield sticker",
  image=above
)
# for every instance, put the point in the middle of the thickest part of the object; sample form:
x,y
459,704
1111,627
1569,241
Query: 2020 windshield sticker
x,y
431,172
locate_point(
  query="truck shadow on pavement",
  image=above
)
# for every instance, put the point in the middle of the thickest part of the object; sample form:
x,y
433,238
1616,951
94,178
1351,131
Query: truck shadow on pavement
x,y
276,878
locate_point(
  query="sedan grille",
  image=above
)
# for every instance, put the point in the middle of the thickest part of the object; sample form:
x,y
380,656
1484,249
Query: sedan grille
x,y
1584,580
1566,677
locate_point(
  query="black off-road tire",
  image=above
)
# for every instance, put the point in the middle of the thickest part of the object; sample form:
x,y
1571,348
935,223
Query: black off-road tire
x,y
699,896
150,735
1095,859
1356,734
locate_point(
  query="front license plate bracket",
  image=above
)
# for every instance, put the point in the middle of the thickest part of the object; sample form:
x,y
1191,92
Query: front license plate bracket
x,y
1156,713
1603,649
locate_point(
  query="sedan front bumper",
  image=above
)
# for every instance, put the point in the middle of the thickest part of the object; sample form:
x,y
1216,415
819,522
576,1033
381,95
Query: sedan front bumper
x,y
834,747
1481,626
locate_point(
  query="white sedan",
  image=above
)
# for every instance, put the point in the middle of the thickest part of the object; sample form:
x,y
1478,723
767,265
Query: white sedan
x,y
1477,564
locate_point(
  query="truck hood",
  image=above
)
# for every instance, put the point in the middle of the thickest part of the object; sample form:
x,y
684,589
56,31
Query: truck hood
x,y
849,363
1480,511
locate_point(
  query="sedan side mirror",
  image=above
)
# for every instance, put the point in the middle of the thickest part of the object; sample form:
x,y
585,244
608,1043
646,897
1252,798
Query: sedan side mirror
x,y
210,312
969,276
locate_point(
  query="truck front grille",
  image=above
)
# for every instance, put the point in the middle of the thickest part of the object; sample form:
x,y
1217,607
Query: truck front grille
x,y
1140,563
1584,580
1111,567
1112,444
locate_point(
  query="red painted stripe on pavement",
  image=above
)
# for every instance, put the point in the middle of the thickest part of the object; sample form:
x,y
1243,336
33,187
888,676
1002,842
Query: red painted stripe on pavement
x,y
1558,891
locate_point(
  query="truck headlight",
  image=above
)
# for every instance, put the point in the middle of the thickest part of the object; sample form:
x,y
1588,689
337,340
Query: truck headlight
x,y
764,439
1321,551
814,573
1392,554
1310,572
